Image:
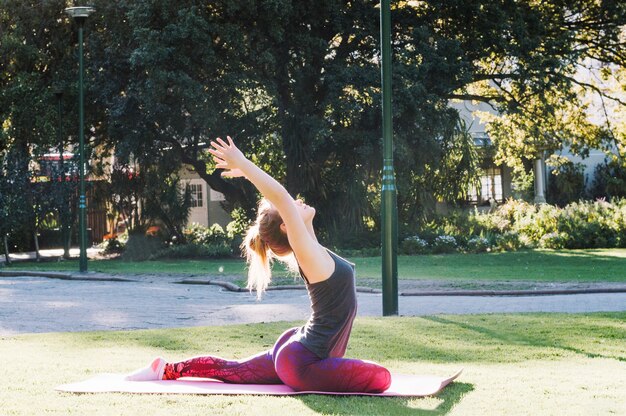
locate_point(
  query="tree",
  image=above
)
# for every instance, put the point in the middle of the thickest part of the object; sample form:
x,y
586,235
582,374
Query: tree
x,y
297,84
537,75
126,190
168,201
63,198
35,57
14,209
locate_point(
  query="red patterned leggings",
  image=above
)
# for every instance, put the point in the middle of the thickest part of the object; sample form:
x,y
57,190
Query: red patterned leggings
x,y
288,362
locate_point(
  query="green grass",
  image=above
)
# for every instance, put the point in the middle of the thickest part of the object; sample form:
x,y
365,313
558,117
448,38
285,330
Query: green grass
x,y
537,265
606,265
548,364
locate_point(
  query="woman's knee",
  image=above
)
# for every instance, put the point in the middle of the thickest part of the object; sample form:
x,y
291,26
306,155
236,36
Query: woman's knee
x,y
382,380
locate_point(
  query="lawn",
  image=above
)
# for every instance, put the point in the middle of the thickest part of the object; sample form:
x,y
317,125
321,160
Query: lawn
x,y
548,364
606,265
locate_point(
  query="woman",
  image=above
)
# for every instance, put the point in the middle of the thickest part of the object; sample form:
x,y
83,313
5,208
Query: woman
x,y
306,358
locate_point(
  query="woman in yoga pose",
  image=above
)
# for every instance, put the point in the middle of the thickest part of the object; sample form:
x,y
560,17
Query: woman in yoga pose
x,y
304,358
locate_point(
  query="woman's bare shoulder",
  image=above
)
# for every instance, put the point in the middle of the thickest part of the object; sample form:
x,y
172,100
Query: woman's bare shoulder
x,y
317,265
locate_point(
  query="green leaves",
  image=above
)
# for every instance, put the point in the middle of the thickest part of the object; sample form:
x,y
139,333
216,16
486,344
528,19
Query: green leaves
x,y
297,83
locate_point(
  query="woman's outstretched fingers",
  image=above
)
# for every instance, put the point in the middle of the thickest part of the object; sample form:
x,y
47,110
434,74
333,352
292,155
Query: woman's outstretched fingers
x,y
222,142
215,148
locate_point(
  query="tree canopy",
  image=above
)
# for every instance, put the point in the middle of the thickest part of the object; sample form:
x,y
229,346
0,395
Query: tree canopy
x,y
297,83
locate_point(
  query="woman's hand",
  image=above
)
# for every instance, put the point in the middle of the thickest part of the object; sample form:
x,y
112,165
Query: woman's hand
x,y
227,156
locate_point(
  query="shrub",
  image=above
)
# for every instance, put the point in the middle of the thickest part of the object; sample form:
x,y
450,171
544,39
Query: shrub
x,y
362,252
478,245
609,180
201,235
518,224
413,245
194,251
444,244
509,241
566,182
238,226
112,246
539,223
590,224
553,240
511,212
141,247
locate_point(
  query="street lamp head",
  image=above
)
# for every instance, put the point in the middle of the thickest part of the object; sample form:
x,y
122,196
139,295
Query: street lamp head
x,y
58,91
80,12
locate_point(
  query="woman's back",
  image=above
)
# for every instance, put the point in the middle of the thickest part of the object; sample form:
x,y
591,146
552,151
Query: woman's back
x,y
334,306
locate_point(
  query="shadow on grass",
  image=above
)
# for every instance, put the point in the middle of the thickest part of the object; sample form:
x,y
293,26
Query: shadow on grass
x,y
363,405
519,339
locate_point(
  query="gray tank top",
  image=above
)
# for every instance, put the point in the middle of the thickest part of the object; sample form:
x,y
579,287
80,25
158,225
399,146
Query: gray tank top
x,y
333,302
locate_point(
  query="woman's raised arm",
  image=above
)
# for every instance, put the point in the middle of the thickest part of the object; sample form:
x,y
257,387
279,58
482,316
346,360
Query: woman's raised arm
x,y
312,258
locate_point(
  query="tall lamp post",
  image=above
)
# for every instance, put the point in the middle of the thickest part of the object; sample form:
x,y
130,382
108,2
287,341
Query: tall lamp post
x,y
389,193
80,14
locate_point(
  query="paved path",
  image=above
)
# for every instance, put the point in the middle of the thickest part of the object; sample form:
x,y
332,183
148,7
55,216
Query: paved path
x,y
39,304
49,253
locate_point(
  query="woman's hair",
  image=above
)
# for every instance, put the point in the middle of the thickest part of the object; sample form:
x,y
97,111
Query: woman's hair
x,y
264,242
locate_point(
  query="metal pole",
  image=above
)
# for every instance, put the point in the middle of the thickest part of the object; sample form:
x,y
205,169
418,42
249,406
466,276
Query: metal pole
x,y
82,202
389,194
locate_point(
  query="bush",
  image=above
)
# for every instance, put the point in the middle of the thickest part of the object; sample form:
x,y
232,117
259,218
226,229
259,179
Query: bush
x,y
141,247
194,251
112,246
445,244
413,245
478,245
237,228
609,180
566,182
362,252
510,241
518,224
535,224
591,225
553,240
201,235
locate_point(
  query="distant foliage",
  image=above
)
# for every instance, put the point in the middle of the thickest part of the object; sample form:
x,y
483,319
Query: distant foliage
x,y
517,225
414,245
444,244
566,182
140,247
478,244
609,180
201,235
193,251
200,242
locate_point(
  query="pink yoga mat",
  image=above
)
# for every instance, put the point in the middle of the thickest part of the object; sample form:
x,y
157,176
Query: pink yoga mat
x,y
401,385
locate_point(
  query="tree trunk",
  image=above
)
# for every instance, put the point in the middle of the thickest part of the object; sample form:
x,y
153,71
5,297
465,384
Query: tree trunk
x,y
36,238
5,240
66,235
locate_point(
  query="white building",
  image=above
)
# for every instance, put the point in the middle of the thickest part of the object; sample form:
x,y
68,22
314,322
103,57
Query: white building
x,y
206,208
495,182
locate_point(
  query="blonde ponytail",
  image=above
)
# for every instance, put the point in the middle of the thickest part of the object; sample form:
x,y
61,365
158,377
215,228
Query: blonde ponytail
x,y
258,258
264,242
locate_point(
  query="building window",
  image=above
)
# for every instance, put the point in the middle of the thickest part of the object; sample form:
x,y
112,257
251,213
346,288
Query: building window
x,y
490,187
195,190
